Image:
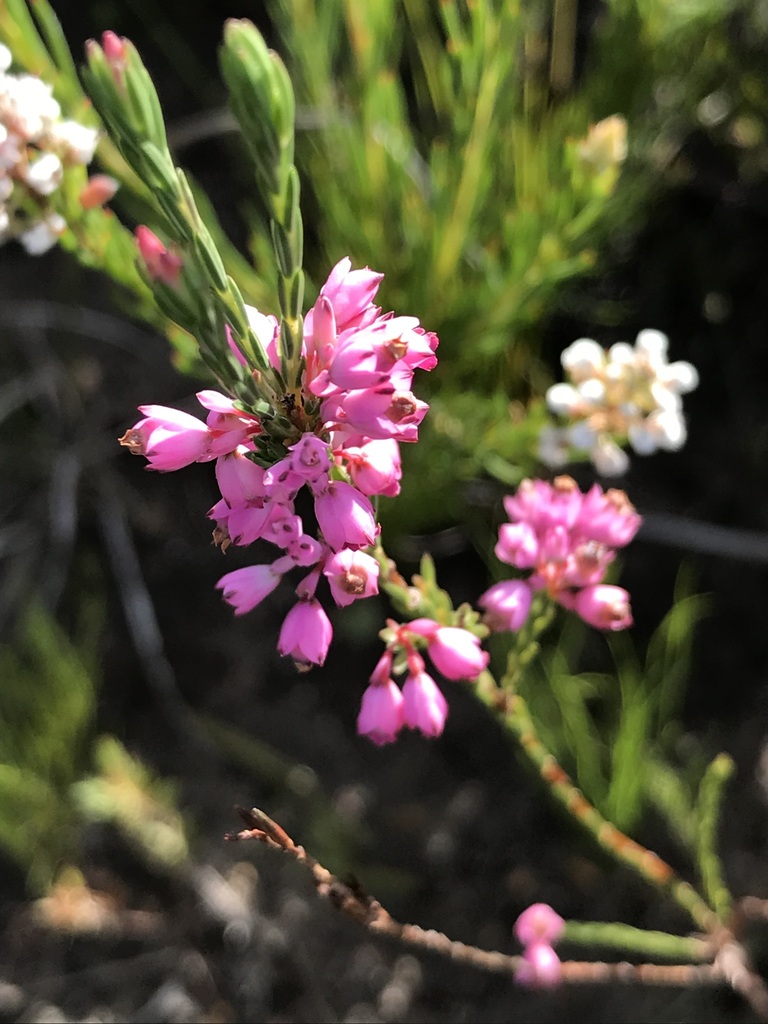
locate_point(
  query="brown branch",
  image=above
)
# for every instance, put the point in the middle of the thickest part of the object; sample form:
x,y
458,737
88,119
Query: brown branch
x,y
730,966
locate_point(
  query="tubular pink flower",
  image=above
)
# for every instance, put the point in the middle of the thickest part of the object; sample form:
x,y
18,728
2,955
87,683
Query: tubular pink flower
x,y
351,575
229,426
306,550
506,605
350,292
245,588
541,967
542,504
306,633
239,478
424,706
310,458
161,263
539,923
169,438
381,714
456,653
374,466
345,516
608,517
603,606
247,523
378,412
518,545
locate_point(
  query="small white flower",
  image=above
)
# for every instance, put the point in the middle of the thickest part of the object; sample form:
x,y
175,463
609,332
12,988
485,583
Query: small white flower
x,y
627,394
43,235
583,359
44,175
683,377
563,399
77,140
5,58
553,447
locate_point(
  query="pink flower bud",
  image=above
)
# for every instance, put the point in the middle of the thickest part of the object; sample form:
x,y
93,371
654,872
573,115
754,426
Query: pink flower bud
x,y
424,706
506,604
603,606
162,265
381,712
351,575
245,588
306,634
99,190
540,967
345,516
169,438
539,923
113,47
456,653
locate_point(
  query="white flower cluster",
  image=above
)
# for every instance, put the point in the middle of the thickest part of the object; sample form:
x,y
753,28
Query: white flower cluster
x,y
625,393
35,146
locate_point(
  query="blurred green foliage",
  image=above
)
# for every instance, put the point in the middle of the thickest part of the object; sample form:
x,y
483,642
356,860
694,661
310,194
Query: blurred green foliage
x,y
47,708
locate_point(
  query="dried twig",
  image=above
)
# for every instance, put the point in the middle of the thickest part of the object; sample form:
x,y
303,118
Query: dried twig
x,y
730,965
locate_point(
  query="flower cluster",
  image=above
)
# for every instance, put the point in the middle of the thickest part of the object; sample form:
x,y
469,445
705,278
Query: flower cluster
x,y
357,371
385,708
568,540
537,929
35,147
627,392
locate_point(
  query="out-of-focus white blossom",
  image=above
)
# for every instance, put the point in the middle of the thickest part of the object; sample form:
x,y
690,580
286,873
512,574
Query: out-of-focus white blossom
x,y
36,147
627,393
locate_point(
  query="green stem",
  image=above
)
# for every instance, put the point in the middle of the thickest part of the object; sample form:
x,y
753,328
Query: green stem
x,y
513,712
636,940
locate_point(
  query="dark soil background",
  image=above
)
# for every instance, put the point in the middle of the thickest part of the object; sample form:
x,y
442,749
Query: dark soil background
x,y
456,834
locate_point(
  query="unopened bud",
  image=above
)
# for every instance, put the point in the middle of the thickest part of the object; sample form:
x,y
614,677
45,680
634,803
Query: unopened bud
x,y
98,191
162,264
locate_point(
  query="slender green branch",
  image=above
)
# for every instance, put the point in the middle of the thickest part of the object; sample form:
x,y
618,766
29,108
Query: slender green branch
x,y
637,940
513,712
708,812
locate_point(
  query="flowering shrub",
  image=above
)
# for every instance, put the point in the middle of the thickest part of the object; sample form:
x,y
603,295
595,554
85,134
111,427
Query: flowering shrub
x,y
304,422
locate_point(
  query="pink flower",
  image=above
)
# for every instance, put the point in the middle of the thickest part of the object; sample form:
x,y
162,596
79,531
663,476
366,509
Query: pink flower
x,y
161,263
229,426
345,516
381,712
608,517
350,292
539,923
239,478
306,633
169,438
603,606
379,412
424,706
518,545
540,967
351,575
374,466
245,588
310,458
456,653
506,605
